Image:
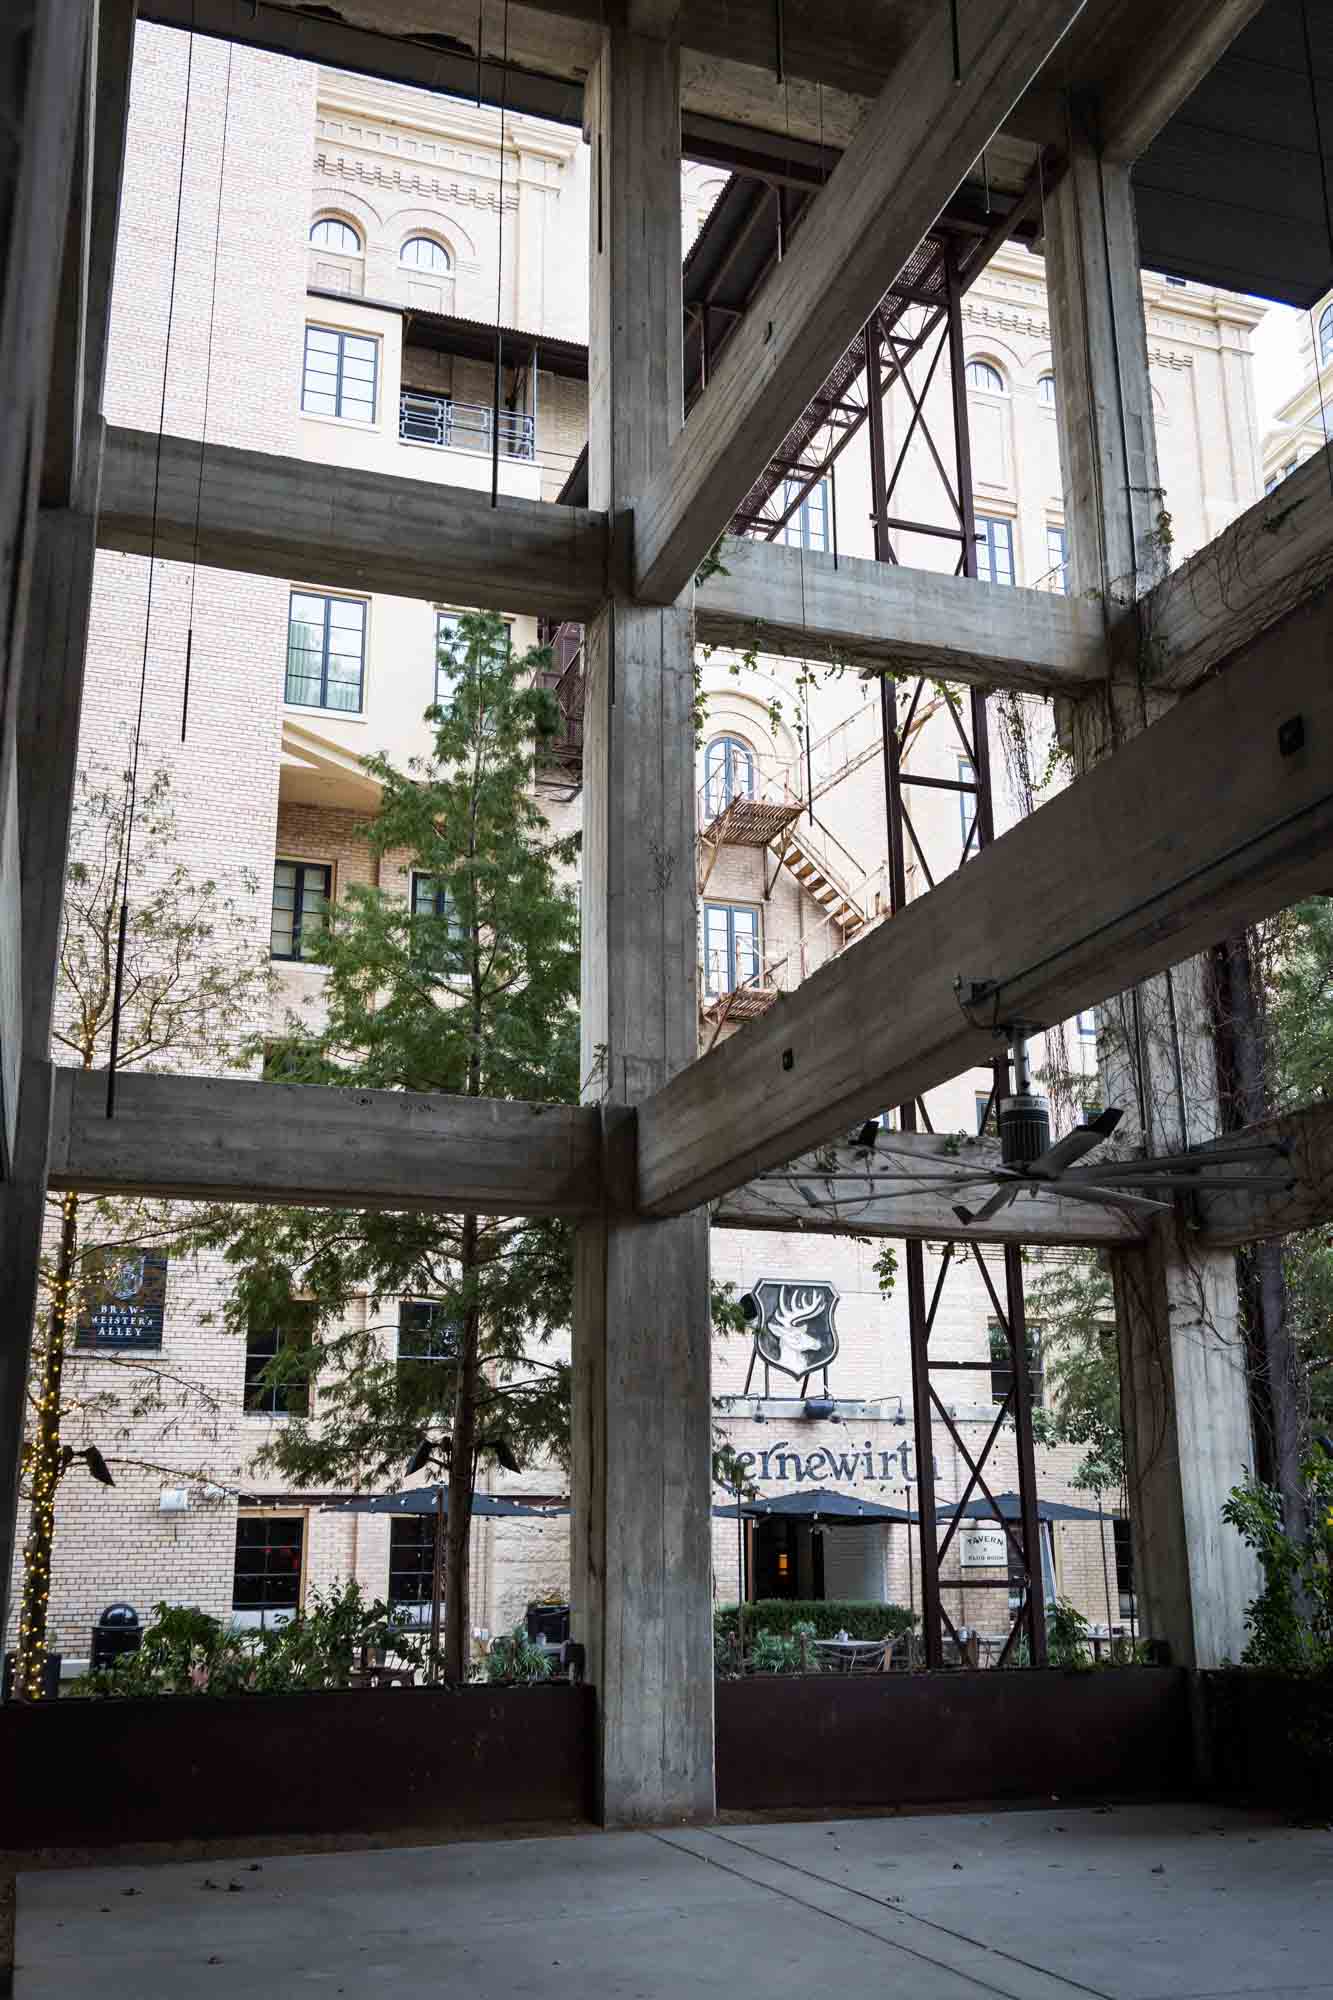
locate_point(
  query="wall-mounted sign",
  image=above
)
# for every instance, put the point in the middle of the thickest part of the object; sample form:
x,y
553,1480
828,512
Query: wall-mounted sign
x,y
125,1295
983,1548
794,1330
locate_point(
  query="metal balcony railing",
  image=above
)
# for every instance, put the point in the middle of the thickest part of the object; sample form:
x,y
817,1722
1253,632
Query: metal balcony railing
x,y
439,420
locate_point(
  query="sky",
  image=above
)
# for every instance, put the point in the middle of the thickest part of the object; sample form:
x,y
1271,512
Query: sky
x,y
1277,359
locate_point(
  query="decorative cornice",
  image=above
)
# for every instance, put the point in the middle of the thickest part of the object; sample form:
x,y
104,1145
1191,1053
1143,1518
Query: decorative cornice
x,y
337,166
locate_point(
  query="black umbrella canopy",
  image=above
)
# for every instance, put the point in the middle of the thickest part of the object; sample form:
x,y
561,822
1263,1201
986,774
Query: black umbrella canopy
x,y
426,1499
1011,1510
820,1504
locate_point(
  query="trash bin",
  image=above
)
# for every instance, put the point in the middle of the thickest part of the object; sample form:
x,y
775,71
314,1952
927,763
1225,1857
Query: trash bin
x,y
116,1633
50,1678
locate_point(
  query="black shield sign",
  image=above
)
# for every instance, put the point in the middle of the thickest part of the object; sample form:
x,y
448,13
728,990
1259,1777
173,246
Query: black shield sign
x,y
796,1333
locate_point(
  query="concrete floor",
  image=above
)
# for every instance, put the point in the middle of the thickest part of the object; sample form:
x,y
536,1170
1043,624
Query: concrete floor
x,y
1132,1903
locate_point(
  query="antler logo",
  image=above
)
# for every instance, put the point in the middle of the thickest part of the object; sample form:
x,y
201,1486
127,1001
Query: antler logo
x,y
796,1334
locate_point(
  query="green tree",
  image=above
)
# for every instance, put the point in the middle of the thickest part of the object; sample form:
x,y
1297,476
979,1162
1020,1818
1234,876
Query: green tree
x,y
190,975
468,986
1299,952
1072,1302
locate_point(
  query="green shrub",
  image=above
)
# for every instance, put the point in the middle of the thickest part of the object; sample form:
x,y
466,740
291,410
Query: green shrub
x,y
1290,1622
514,1657
184,1651
1067,1635
826,1617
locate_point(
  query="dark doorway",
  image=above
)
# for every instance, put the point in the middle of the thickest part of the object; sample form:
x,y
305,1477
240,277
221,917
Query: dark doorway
x,y
788,1560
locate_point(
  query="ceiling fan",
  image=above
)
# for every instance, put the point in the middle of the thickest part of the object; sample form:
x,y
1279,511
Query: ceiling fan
x,y
1031,1162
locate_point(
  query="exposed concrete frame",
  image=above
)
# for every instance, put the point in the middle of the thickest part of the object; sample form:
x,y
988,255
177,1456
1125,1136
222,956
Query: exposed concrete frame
x,y
219,1139
288,517
914,146
1144,860
1162,67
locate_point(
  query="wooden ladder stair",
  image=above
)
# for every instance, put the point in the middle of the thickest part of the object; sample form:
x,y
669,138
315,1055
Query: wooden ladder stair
x,y
816,875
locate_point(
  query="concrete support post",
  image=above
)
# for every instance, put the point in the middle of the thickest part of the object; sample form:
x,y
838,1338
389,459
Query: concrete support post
x,y
641,1586
1182,1356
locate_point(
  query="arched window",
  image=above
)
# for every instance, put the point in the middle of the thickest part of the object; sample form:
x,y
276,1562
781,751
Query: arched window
x,y
1046,388
1326,336
980,375
728,773
331,234
423,253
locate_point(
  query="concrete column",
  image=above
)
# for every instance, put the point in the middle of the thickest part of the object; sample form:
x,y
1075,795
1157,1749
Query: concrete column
x,y
641,1556
1182,1358
47,737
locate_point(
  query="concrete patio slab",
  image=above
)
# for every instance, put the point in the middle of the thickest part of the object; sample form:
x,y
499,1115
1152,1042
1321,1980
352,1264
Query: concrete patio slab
x,y
1135,1903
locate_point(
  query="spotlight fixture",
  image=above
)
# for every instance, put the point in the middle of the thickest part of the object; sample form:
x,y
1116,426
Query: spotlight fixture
x,y
97,1465
867,1135
749,1305
420,1458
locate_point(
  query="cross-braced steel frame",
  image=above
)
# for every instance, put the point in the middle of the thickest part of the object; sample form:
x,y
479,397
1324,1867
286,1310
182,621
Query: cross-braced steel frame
x,y
1024,1536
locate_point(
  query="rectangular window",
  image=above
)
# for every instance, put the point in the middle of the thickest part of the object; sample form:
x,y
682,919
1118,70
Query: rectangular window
x,y
986,1114
731,946
412,1561
995,549
301,895
1057,557
326,652
808,527
1123,1535
268,1562
338,379
425,1334
1001,1365
431,899
446,667
1086,1023
275,1399
967,805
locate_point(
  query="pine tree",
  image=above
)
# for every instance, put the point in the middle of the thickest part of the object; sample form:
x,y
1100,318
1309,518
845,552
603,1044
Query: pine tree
x,y
467,985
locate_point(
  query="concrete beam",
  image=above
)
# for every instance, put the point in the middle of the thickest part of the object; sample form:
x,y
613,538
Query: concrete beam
x,y
230,1139
915,145
1161,69
1234,1216
1200,824
292,518
1275,555
919,1177
887,619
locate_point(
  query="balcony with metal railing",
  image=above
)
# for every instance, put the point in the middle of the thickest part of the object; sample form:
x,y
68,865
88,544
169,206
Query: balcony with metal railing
x,y
450,425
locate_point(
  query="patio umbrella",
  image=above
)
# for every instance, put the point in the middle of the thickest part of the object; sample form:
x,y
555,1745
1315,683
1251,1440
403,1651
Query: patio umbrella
x,y
820,1504
1010,1510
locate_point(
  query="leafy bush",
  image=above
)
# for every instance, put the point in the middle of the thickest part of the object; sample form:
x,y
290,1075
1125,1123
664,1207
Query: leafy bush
x,y
1290,1622
1066,1635
513,1657
826,1617
185,1651
783,1653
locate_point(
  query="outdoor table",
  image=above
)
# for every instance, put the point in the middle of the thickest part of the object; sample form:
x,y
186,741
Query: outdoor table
x,y
842,1654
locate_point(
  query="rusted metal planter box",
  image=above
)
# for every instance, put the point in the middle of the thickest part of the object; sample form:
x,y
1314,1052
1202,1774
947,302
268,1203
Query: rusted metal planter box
x,y
1268,1738
96,1773
828,1741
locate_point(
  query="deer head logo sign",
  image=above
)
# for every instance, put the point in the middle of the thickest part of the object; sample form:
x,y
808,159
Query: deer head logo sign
x,y
794,1330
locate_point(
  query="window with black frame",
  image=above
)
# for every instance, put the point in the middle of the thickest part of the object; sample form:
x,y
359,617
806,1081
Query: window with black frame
x,y
427,1336
411,1561
1002,1368
1123,1536
326,652
338,378
431,898
283,1397
269,1551
301,895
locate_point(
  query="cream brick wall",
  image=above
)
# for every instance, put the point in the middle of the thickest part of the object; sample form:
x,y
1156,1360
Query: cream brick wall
x,y
301,143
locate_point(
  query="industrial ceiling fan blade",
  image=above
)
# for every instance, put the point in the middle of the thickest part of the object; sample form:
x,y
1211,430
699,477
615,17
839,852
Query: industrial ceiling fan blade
x,y
999,1200
1053,1162
1104,1197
